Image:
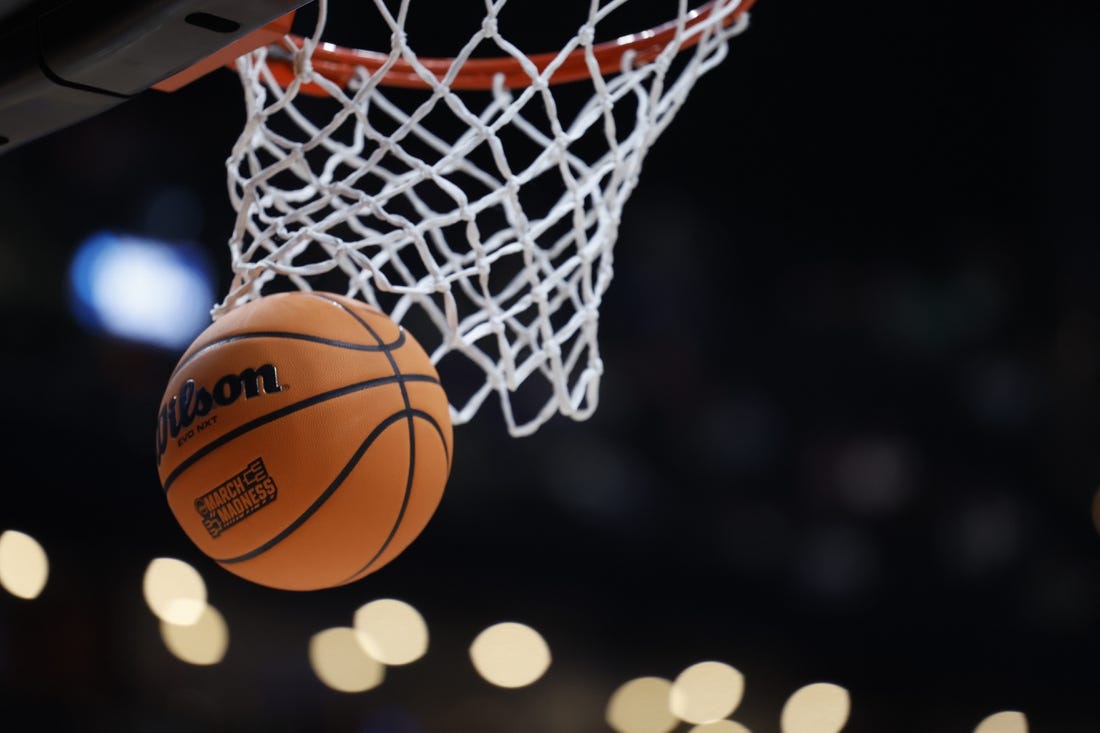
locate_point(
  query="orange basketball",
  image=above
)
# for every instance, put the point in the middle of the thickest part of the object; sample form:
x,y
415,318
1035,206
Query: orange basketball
x,y
304,440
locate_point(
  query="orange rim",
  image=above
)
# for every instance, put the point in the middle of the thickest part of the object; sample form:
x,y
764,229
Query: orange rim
x,y
339,64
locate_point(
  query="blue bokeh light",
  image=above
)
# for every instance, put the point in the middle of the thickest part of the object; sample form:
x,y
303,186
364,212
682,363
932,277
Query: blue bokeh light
x,y
141,290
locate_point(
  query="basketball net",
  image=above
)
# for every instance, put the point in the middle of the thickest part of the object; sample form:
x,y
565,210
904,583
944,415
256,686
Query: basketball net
x,y
474,198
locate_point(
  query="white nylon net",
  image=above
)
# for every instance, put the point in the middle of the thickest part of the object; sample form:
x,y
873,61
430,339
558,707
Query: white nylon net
x,y
483,221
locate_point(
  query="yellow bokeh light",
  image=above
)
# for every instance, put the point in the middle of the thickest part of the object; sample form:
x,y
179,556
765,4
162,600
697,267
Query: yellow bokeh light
x,y
720,726
510,654
203,642
1007,721
24,566
706,692
641,706
392,631
339,660
821,707
174,591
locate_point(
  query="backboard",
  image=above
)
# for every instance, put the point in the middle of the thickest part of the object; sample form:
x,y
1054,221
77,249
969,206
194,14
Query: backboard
x,y
63,61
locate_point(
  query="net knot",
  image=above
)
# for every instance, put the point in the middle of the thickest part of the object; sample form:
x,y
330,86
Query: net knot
x,y
398,38
303,60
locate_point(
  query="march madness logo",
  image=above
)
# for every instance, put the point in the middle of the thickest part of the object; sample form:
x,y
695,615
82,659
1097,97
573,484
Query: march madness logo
x,y
236,499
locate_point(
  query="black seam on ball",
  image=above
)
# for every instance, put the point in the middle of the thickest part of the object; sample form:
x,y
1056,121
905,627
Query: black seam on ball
x,y
294,335
430,419
410,474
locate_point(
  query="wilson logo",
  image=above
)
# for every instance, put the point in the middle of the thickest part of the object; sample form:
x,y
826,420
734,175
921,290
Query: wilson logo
x,y
187,413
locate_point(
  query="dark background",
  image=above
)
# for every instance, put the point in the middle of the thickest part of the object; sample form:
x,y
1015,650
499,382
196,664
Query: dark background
x,y
847,427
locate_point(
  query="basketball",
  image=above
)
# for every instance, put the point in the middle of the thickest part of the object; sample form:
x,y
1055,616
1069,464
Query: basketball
x,y
304,440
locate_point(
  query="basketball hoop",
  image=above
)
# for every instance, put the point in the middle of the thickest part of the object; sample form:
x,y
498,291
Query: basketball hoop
x,y
475,197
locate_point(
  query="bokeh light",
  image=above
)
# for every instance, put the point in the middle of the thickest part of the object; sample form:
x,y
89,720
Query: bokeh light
x,y
174,591
641,705
142,290
203,642
391,631
821,707
510,654
339,660
706,692
24,566
1007,721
